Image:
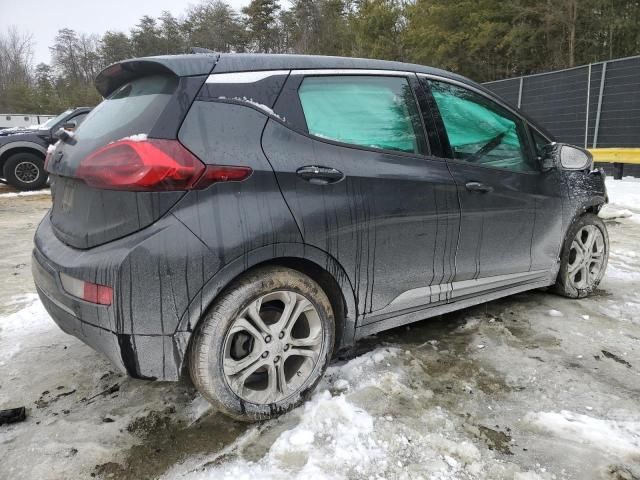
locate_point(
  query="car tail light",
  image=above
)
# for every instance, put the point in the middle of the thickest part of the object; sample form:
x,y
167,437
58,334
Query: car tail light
x,y
87,291
152,165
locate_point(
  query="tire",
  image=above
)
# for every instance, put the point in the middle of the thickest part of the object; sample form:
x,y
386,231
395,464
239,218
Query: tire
x,y
581,272
287,359
25,171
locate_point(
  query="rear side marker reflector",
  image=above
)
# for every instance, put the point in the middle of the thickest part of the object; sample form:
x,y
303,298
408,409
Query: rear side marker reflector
x,y
152,165
87,291
222,173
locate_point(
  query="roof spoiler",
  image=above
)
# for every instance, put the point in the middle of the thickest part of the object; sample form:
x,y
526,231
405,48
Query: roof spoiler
x,y
112,77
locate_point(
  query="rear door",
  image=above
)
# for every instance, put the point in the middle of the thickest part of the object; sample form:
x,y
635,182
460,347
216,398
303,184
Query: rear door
x,y
499,184
353,163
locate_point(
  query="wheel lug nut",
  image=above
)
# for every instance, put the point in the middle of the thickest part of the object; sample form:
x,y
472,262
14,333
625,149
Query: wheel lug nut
x,y
265,354
277,359
281,335
267,338
286,347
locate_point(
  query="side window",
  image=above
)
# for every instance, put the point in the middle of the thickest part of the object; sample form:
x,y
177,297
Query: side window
x,y
481,131
369,111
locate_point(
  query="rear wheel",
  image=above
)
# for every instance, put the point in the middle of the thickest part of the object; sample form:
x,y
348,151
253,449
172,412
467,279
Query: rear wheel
x,y
264,345
25,171
584,257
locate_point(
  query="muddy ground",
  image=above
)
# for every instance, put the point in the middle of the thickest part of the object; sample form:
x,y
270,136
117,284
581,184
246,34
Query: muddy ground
x,y
529,387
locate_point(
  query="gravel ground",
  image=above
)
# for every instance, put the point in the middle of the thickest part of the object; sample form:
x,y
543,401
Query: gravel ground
x,y
534,386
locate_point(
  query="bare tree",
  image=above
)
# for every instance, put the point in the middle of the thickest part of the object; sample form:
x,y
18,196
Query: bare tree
x,y
16,58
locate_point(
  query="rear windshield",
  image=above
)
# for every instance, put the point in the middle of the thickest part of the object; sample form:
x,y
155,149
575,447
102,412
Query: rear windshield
x,y
132,109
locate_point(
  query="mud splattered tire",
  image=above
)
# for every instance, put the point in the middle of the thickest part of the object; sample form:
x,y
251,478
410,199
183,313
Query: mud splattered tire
x,y
25,171
264,344
584,257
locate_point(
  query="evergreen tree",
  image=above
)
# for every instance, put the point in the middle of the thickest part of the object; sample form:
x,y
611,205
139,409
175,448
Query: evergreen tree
x,y
261,22
213,24
145,38
115,46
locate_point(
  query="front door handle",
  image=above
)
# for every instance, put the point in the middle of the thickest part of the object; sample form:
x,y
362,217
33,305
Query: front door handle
x,y
320,175
478,187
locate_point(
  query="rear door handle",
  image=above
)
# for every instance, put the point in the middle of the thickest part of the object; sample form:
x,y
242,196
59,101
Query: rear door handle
x,y
320,175
478,187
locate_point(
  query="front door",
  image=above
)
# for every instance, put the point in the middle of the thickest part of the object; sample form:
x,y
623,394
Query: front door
x,y
355,170
498,181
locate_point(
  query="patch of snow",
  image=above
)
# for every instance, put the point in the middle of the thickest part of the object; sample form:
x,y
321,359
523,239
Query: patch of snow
x,y
609,212
199,407
31,321
624,193
25,194
138,137
59,380
555,313
258,105
341,385
616,436
348,436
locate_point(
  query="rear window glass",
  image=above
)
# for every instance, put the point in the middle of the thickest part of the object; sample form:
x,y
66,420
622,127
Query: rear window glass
x,y
132,109
375,112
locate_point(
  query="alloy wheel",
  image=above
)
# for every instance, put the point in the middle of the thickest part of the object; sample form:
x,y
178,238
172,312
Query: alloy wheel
x,y
586,257
272,347
27,172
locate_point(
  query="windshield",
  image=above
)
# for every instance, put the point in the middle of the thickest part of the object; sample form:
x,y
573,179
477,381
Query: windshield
x,y
52,121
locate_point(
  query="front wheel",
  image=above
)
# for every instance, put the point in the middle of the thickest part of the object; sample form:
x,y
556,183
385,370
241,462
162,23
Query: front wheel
x,y
584,257
264,344
25,171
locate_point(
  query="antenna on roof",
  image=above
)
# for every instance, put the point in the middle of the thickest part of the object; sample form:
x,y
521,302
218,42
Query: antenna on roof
x,y
200,50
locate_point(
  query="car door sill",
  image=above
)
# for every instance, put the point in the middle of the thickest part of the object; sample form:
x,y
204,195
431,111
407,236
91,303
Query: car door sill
x,y
384,321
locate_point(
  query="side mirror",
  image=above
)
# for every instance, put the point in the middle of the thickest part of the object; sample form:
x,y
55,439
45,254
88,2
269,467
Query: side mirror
x,y
567,157
70,126
65,136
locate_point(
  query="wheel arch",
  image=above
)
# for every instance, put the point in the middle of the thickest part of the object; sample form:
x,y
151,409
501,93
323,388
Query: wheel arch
x,y
315,263
10,149
590,205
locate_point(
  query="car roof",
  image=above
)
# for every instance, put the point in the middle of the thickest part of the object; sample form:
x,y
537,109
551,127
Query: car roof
x,y
239,62
202,64
119,73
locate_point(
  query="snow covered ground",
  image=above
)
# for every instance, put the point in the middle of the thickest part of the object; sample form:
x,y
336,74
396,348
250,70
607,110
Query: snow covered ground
x,y
530,387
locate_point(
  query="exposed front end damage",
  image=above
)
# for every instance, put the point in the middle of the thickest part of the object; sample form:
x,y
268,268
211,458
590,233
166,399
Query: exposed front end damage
x,y
583,191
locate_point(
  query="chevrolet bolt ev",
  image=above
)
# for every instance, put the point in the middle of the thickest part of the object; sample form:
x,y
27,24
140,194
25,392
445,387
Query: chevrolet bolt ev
x,y
244,217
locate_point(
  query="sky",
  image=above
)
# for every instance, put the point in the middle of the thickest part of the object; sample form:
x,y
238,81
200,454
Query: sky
x,y
43,18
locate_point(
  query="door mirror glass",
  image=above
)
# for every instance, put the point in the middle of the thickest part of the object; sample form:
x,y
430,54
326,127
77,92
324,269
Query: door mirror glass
x,y
570,157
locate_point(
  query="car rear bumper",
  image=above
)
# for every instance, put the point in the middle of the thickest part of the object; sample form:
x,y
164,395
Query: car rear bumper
x,y
133,332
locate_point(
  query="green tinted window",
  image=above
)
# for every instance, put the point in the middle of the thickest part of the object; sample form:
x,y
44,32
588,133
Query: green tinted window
x,y
377,112
481,131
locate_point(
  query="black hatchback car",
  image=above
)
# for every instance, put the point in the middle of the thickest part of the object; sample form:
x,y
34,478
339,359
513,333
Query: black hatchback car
x,y
244,217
